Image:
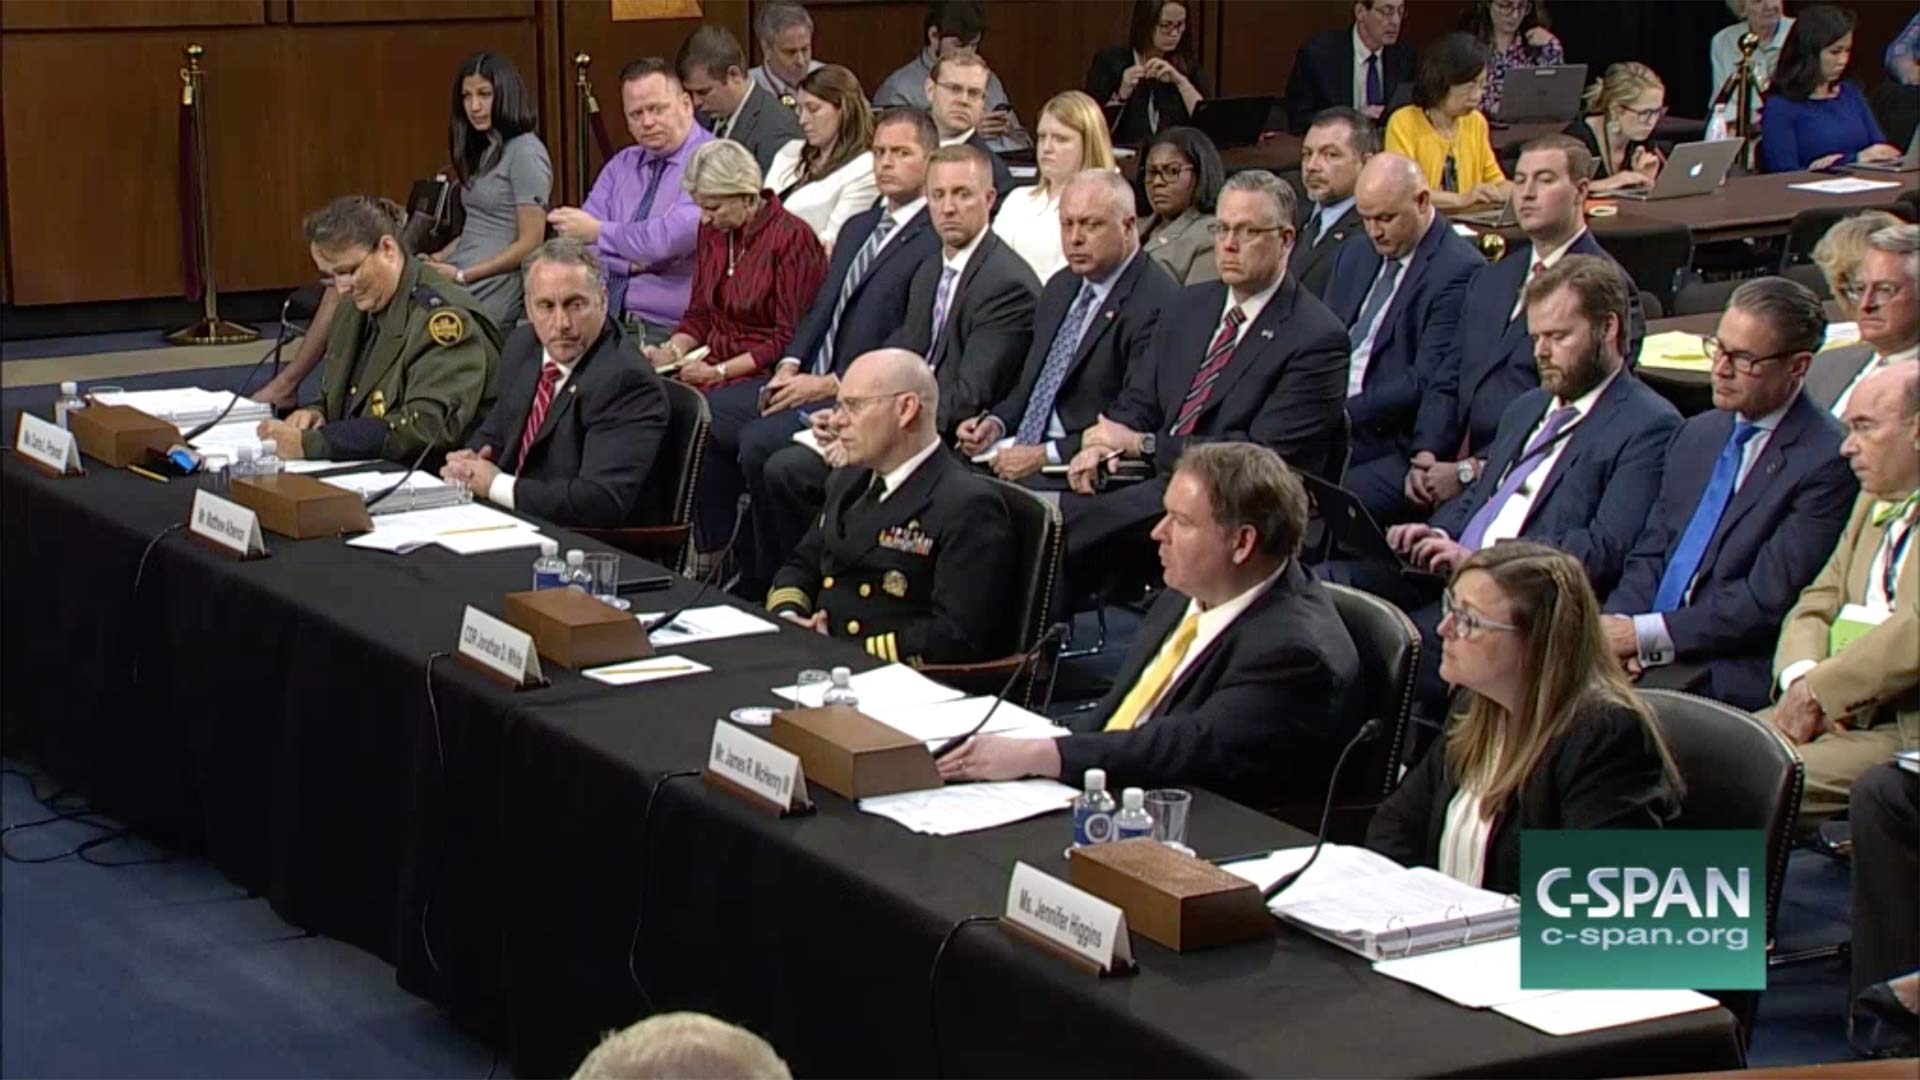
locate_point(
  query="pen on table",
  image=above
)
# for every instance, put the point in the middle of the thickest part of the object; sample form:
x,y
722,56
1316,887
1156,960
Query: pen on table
x,y
1222,860
646,669
478,528
148,473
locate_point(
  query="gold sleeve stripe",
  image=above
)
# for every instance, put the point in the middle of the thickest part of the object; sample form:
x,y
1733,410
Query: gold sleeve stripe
x,y
789,595
893,649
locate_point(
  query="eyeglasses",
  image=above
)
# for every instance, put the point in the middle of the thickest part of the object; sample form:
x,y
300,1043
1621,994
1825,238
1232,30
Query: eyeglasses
x,y
1881,291
1744,363
1167,174
1240,234
1458,623
965,93
852,405
1648,116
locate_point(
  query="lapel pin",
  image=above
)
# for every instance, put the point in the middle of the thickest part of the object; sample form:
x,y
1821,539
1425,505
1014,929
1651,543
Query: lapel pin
x,y
1266,335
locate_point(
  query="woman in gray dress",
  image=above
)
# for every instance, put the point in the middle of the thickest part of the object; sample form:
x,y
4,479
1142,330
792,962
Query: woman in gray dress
x,y
505,183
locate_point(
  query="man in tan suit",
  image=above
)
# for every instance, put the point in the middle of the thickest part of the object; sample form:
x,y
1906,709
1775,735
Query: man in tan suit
x,y
1850,709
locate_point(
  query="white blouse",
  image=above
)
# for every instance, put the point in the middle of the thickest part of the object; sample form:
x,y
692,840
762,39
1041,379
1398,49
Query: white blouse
x,y
1029,223
824,204
1464,836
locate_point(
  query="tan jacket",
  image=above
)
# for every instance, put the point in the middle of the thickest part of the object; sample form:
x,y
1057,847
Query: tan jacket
x,y
1183,247
1880,672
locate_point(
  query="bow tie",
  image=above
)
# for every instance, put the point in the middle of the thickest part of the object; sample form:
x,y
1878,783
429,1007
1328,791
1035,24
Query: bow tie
x,y
1884,512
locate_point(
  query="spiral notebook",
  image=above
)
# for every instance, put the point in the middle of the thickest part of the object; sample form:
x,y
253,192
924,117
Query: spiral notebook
x,y
1365,902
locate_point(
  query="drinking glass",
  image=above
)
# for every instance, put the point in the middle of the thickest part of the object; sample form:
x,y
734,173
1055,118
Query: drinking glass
x,y
1169,807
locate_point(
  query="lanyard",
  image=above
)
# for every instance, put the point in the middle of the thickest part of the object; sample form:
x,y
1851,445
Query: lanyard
x,y
1890,572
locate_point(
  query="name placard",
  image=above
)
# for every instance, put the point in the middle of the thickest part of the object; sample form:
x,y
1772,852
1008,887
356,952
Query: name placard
x,y
1085,927
47,445
226,524
499,648
756,770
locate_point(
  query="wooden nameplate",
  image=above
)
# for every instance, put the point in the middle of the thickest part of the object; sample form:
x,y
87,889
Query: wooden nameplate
x,y
120,435
852,754
576,630
1170,898
754,798
301,507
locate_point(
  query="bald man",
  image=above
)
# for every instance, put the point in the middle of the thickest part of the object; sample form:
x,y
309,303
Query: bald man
x,y
912,556
1399,291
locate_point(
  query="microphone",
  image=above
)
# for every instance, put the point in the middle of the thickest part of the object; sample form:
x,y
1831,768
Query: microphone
x,y
707,579
309,304
1032,655
453,412
1367,733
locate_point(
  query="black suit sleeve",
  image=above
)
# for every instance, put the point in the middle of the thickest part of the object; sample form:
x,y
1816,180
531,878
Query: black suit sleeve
x,y
1302,416
797,583
1608,772
1138,406
1402,826
813,327
915,334
1104,77
623,432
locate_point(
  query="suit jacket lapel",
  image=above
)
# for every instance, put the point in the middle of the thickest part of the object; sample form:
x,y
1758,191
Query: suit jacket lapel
x,y
1409,278
391,336
564,399
1773,458
1259,336
1605,411
974,263
1102,320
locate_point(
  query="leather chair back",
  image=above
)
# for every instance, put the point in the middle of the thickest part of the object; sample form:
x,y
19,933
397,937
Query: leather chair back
x,y
1655,255
1039,542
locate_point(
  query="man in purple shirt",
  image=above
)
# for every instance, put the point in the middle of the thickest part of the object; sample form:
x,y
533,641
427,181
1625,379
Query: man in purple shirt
x,y
637,218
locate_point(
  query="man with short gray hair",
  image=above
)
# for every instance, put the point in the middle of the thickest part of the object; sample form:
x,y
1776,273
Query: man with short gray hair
x,y
1889,319
684,1046
580,417
786,42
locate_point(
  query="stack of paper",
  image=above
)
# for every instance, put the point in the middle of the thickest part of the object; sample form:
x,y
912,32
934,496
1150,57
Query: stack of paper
x,y
464,530
1675,349
938,722
963,808
705,624
421,491
188,406
652,669
895,686
1844,185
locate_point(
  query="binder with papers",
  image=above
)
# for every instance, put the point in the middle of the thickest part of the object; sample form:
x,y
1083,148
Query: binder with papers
x,y
1368,904
187,406
421,491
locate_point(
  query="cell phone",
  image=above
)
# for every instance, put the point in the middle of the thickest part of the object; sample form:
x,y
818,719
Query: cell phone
x,y
645,584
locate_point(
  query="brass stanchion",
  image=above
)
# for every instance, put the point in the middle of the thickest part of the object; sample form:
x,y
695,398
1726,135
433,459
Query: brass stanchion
x,y
1743,112
583,95
211,329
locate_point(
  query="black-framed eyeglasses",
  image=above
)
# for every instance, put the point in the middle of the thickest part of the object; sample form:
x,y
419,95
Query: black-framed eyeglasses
x,y
965,93
1645,116
1743,362
1240,234
1459,623
1168,174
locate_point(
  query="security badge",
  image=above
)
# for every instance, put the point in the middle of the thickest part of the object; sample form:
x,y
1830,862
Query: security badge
x,y
894,584
445,327
909,538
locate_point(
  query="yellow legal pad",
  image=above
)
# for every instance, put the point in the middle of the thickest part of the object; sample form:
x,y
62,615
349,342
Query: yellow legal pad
x,y
1675,349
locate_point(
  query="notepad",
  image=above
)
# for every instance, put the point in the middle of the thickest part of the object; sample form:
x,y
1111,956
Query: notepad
x,y
964,808
704,624
895,686
1677,350
1487,976
1844,185
652,669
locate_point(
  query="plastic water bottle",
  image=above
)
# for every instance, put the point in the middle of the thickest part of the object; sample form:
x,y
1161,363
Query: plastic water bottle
x,y
1093,811
840,691
245,463
68,401
548,571
577,578
269,463
1133,819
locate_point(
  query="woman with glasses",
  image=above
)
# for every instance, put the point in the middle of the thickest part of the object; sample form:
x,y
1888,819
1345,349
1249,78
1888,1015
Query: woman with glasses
x,y
1444,129
1153,82
1071,135
1515,35
1815,117
1839,255
1182,174
826,176
1549,734
1622,108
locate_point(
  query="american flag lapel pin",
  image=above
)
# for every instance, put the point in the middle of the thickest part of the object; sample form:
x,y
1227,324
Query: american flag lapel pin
x,y
1266,335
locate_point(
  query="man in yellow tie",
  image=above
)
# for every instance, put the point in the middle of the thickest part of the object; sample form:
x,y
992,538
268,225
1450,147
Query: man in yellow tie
x,y
1241,677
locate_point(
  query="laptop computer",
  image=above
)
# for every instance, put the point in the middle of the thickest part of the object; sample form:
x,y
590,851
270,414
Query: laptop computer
x,y
1501,217
1696,168
1549,93
1233,121
1908,162
1355,532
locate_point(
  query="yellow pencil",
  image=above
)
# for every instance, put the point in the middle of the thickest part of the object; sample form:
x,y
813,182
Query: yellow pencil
x,y
475,529
148,473
646,669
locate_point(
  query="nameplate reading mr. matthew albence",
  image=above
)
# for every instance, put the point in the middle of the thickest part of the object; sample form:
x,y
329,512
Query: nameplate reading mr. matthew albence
x,y
226,524
757,770
47,445
1080,923
499,648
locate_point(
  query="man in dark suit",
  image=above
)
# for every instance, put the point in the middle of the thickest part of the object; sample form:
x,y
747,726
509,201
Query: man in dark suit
x,y
1094,321
1753,497
1241,678
861,302
713,70
580,416
912,555
1492,361
1889,283
1400,296
1337,145
1358,66
1251,358
1575,463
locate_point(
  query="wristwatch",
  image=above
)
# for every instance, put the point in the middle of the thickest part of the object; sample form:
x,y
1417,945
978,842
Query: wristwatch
x,y
1465,471
460,277
1147,444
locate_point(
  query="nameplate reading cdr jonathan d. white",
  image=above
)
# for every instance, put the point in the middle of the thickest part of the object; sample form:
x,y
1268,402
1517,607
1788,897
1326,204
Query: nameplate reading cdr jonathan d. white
x,y
47,445
226,525
756,770
499,649
1086,928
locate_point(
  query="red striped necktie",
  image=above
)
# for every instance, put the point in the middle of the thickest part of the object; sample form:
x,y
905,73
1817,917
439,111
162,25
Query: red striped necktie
x,y
1219,355
542,401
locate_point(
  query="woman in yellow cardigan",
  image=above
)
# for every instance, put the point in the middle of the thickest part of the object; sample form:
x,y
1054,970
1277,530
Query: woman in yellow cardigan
x,y
1444,130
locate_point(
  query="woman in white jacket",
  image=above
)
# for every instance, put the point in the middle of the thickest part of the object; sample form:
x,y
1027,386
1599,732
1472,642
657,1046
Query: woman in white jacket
x,y
827,177
1071,135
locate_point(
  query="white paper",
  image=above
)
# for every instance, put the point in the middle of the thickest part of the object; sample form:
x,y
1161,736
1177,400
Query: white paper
x,y
321,465
705,624
806,438
1418,896
467,529
943,720
895,686
374,482
964,808
1844,185
652,669
1474,976
1339,864
187,406
1570,1012
228,436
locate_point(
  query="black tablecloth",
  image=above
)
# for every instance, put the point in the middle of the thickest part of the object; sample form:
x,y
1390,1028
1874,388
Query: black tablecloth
x,y
500,853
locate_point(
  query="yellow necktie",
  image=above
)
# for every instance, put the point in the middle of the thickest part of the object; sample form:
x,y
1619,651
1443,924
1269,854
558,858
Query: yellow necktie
x,y
1154,680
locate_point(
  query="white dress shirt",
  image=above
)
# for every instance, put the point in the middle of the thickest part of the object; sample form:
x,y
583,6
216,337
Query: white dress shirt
x,y
1545,261
1329,213
1363,352
501,489
1029,222
1360,54
824,204
1512,517
890,482
1213,622
1866,369
1250,310
1465,832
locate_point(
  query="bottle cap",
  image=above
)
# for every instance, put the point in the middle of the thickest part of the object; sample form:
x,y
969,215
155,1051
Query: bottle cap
x,y
70,388
576,557
841,675
549,548
1133,798
243,452
1096,779
269,447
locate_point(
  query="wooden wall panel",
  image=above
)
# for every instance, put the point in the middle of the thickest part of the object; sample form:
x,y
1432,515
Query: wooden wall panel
x,y
377,11
150,14
1258,40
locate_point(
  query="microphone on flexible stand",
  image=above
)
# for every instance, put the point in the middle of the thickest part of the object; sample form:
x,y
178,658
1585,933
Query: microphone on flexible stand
x,y
1032,655
308,303
707,579
1367,733
453,412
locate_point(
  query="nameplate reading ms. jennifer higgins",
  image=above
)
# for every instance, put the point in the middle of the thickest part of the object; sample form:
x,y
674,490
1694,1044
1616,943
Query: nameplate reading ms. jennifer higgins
x,y
46,444
1079,922
226,524
757,767
499,648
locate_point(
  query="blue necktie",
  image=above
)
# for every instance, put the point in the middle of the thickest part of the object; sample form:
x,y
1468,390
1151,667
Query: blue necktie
x,y
942,297
1066,342
1685,563
862,261
1376,299
1374,94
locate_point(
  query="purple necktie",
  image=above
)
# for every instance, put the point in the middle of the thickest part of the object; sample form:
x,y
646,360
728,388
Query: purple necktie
x,y
1516,477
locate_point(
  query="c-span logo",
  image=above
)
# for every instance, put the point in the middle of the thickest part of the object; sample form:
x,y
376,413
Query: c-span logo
x,y
1643,909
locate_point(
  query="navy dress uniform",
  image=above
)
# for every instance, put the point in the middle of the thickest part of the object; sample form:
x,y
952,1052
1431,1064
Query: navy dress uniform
x,y
920,577
394,377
